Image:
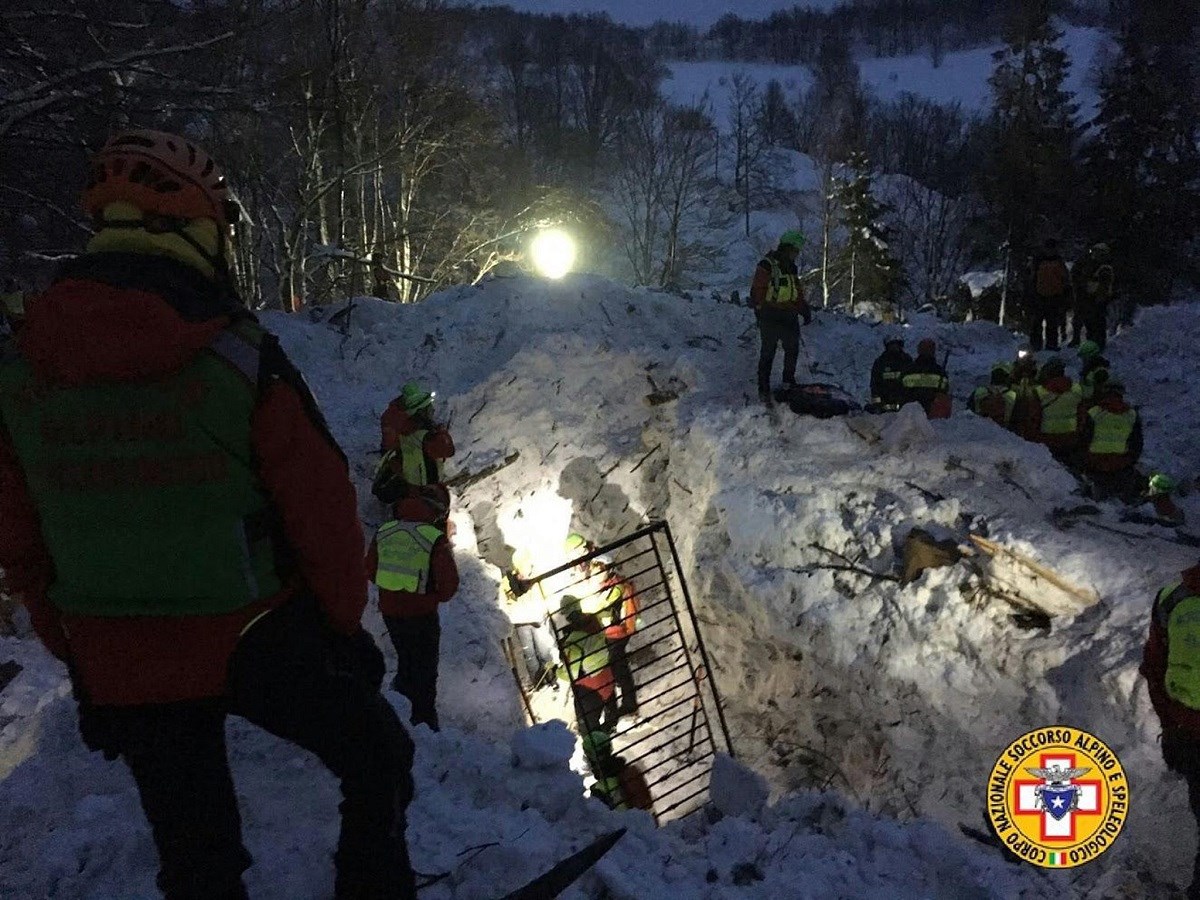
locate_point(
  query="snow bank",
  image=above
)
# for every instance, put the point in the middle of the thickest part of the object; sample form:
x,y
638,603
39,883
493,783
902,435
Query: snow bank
x,y
894,699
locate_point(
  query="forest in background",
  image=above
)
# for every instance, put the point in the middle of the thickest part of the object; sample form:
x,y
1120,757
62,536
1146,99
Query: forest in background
x,y
398,147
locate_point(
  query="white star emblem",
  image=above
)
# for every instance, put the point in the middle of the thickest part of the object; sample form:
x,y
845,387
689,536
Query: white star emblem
x,y
1057,802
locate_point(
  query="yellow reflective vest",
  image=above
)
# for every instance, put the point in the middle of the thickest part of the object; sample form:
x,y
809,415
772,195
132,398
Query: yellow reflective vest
x,y
1060,412
784,287
404,551
1177,612
1111,431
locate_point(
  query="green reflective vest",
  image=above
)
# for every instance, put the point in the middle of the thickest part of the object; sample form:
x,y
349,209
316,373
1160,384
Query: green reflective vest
x,y
585,654
404,550
932,380
415,467
1060,412
147,491
608,790
1111,431
1091,381
1177,611
784,287
994,401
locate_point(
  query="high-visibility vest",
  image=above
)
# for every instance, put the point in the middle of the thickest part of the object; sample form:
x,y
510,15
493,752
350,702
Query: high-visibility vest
x,y
147,491
1111,431
404,551
585,654
609,790
1090,381
416,468
1177,612
620,600
1060,412
784,287
994,401
915,381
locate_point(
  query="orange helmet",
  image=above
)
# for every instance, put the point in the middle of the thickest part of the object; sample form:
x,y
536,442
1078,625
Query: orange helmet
x,y
158,173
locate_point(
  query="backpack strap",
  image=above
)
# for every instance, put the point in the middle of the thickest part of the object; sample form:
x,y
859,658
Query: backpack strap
x,y
240,345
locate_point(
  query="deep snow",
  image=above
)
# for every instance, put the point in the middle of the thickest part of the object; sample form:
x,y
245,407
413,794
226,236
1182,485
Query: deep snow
x,y
897,699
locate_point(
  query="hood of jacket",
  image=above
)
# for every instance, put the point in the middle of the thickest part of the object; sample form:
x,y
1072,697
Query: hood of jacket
x,y
123,317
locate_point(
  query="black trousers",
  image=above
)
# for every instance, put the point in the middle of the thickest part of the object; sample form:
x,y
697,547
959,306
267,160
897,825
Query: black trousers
x,y
1053,314
775,329
1093,320
618,661
285,679
417,641
594,712
1182,755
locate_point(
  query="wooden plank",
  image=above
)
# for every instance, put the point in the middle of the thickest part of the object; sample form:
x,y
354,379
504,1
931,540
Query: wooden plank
x,y
1083,597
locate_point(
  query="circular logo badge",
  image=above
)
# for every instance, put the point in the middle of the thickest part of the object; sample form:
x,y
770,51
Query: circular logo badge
x,y
1057,797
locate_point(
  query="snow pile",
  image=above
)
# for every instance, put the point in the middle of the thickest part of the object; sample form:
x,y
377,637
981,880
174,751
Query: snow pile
x,y
896,698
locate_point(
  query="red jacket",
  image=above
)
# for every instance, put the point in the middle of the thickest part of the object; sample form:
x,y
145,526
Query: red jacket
x,y
1154,668
443,572
396,422
95,324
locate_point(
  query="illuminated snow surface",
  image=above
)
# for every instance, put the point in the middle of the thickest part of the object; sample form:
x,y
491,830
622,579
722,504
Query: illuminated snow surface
x,y
898,699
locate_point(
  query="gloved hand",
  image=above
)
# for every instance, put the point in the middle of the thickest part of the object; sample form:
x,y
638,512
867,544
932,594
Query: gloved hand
x,y
358,655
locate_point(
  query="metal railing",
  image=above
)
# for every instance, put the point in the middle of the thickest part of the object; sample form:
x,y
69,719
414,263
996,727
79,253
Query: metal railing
x,y
660,665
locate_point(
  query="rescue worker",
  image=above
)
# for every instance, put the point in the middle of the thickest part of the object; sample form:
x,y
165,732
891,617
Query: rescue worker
x,y
528,609
778,303
1056,411
586,666
1111,435
183,530
415,447
1024,385
1093,282
1158,493
996,400
412,563
887,373
619,784
1094,369
1049,297
1171,667
926,383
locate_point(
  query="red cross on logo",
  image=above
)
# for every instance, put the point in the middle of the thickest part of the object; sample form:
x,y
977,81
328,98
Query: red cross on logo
x,y
1025,800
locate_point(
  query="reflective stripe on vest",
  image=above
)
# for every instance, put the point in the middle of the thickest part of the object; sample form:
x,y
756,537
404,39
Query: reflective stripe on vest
x,y
1177,610
931,380
404,551
784,288
891,374
147,491
1060,412
585,654
1111,431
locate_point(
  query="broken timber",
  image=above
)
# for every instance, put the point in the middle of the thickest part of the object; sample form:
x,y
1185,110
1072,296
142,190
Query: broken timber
x,y
466,479
1035,584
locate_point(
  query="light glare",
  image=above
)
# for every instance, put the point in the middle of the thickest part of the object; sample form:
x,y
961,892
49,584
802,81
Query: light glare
x,y
553,253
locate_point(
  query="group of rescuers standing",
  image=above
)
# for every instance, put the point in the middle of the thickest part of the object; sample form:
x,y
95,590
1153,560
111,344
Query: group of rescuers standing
x,y
184,532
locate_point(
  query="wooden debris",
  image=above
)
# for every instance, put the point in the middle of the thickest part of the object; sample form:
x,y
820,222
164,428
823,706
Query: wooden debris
x,y
1018,574
466,479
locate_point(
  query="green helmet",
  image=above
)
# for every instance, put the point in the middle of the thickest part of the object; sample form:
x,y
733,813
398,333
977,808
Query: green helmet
x,y
1161,484
575,543
1005,367
570,605
596,745
1088,349
792,238
415,398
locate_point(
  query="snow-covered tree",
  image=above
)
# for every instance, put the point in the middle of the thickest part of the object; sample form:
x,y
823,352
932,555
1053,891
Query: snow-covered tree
x,y
1030,175
872,274
1143,162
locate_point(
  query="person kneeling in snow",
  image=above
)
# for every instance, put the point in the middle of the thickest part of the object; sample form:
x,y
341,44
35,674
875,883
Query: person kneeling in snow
x,y
411,561
887,376
1112,437
619,784
1055,413
995,401
1171,667
926,383
183,530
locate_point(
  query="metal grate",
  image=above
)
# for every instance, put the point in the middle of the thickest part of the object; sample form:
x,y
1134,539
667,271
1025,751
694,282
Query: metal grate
x,y
671,740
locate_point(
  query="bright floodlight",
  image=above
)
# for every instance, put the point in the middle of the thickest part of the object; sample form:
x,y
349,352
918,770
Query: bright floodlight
x,y
553,253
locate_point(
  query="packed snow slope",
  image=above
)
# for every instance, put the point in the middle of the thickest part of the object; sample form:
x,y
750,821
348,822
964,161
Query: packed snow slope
x,y
896,699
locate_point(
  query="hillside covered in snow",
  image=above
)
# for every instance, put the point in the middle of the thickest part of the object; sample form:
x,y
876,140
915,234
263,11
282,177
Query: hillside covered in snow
x,y
872,711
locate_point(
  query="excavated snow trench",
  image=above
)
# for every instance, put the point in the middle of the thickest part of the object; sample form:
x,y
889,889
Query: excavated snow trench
x,y
900,698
